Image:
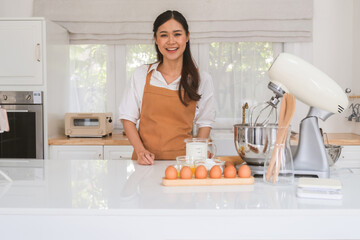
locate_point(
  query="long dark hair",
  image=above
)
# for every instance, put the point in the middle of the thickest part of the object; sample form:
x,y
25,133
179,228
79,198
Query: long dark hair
x,y
190,79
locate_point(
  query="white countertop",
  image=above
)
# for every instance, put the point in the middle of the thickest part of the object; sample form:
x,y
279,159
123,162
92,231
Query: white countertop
x,y
120,197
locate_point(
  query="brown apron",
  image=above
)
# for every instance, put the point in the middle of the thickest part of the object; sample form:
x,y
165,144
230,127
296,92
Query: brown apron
x,y
164,121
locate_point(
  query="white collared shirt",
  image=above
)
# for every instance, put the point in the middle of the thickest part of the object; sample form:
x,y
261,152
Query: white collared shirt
x,y
131,103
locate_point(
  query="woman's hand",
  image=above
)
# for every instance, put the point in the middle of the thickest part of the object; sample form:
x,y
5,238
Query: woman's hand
x,y
145,157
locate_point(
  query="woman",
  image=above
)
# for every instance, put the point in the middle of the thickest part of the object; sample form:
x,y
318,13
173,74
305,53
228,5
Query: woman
x,y
167,96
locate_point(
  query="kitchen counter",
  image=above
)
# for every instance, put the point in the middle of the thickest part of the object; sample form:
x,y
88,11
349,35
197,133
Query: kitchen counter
x,y
348,139
114,139
119,199
120,139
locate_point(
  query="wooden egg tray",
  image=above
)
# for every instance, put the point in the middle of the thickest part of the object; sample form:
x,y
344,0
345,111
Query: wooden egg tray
x,y
207,181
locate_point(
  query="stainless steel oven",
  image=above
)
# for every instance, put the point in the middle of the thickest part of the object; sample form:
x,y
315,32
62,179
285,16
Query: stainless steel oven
x,y
25,114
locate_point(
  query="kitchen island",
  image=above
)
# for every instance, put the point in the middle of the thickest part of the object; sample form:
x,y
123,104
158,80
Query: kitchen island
x,y
119,199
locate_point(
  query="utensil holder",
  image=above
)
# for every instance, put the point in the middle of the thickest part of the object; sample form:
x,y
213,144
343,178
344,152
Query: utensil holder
x,y
279,166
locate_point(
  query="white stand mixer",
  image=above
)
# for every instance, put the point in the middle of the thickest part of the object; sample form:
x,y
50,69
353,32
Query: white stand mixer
x,y
325,97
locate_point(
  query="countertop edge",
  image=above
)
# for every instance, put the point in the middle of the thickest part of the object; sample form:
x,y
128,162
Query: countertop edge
x,y
179,212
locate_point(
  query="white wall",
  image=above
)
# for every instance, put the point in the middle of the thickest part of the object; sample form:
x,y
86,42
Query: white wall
x,y
16,8
356,58
334,49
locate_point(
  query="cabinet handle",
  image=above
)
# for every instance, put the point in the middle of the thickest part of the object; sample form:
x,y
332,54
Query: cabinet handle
x,y
38,52
99,155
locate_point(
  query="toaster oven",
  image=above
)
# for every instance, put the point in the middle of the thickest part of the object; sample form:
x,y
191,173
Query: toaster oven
x,y
88,124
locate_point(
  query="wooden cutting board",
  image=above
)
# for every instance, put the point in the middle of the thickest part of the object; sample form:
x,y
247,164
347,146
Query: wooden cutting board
x,y
207,181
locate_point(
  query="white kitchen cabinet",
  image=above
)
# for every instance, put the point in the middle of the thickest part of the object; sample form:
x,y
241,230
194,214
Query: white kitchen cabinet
x,y
90,152
21,48
34,56
118,152
350,153
76,152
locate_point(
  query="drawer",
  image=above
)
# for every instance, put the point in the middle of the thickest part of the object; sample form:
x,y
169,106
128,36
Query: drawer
x,y
123,152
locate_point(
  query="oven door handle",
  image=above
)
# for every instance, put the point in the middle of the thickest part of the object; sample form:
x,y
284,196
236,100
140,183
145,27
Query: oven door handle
x,y
17,110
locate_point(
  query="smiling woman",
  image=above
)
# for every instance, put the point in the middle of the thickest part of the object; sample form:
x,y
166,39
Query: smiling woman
x,y
167,97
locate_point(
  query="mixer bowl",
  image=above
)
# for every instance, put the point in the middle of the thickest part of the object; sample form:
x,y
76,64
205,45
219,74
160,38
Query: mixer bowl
x,y
251,142
333,153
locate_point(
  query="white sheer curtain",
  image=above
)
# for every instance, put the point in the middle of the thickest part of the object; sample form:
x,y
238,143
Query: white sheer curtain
x,y
88,78
239,72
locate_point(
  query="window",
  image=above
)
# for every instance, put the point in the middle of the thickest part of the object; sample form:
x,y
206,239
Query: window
x,y
100,73
239,75
139,54
88,78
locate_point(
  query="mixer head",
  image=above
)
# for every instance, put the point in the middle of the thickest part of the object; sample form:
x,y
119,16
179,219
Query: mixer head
x,y
308,84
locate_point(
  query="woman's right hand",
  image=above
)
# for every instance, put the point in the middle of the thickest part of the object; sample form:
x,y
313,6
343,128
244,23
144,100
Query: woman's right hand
x,y
144,157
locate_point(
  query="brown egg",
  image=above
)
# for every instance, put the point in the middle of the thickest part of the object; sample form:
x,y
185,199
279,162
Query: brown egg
x,y
215,172
244,171
229,163
186,172
171,172
230,172
200,172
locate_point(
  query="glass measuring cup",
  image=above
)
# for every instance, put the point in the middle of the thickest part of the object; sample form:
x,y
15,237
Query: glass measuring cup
x,y
188,161
200,147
